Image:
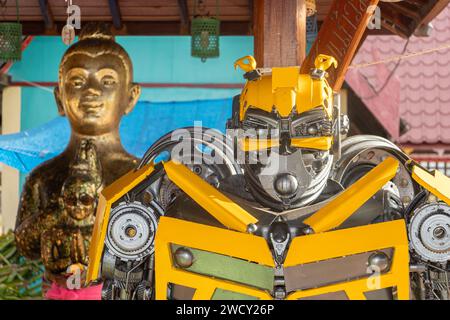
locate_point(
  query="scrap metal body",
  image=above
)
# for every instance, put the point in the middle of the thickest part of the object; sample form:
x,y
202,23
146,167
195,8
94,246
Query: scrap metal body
x,y
338,219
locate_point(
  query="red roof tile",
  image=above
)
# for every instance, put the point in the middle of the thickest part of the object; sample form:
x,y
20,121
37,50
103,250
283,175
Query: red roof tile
x,y
419,88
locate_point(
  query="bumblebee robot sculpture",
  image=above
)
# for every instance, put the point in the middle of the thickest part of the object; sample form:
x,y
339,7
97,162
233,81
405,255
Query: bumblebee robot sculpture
x,y
303,215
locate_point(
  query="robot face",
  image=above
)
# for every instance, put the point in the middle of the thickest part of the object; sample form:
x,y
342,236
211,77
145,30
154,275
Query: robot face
x,y
289,158
288,124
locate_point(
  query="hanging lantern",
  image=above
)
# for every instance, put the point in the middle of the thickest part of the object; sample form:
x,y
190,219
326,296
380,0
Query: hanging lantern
x,y
205,33
11,38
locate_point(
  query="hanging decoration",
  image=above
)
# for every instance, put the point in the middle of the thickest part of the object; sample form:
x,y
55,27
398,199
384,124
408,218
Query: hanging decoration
x,y
73,22
10,36
311,8
205,32
311,24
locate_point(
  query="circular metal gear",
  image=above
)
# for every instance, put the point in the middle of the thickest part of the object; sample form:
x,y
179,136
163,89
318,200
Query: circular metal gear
x,y
131,231
429,232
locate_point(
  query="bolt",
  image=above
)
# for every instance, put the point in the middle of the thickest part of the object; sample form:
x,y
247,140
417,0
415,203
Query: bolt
x,y
439,233
370,155
379,261
130,231
184,258
404,183
406,200
251,228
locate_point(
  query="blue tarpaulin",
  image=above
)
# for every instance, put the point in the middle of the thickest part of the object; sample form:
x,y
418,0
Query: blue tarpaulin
x,y
138,130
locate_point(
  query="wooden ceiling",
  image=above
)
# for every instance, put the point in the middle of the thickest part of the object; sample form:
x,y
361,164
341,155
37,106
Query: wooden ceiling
x,y
170,17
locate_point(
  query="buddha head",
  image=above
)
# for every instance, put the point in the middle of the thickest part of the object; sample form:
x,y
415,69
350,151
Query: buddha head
x,y
95,84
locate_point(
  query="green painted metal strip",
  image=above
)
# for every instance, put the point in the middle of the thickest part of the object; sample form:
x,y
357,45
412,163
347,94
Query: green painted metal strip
x,y
221,294
232,269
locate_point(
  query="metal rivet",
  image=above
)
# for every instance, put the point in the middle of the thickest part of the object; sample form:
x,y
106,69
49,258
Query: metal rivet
x,y
286,184
184,257
312,130
379,261
404,183
251,228
370,155
406,200
147,197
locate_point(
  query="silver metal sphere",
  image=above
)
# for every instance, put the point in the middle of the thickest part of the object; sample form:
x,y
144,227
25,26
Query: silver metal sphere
x,y
312,130
379,261
251,228
184,258
286,184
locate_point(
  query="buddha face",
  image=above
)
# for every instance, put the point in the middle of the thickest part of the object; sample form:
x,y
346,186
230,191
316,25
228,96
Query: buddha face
x,y
95,92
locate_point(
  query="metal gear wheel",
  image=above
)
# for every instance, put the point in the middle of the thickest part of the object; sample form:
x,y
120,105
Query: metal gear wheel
x,y
131,231
429,232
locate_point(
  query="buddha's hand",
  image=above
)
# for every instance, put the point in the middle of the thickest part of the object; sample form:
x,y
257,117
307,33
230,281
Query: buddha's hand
x,y
79,248
56,250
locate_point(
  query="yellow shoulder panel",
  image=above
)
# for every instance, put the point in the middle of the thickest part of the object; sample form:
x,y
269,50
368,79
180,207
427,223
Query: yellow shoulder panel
x,y
108,196
340,209
227,212
435,182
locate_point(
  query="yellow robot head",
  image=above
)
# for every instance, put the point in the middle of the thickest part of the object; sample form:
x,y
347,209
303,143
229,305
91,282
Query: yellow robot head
x,y
294,115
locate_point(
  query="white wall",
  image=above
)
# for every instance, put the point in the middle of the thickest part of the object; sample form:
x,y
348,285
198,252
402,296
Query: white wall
x,y
9,177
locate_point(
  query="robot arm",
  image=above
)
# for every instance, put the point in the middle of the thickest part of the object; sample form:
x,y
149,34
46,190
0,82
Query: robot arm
x,y
129,211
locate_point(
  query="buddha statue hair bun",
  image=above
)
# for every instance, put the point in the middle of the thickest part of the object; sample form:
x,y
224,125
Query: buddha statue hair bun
x,y
96,39
96,30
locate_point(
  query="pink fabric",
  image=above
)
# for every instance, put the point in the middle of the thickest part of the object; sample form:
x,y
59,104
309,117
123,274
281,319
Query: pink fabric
x,y
59,293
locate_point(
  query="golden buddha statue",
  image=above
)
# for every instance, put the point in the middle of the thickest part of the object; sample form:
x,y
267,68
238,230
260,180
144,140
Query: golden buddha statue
x,y
57,206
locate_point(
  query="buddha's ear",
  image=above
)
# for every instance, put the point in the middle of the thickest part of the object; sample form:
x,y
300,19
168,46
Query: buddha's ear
x,y
59,104
134,94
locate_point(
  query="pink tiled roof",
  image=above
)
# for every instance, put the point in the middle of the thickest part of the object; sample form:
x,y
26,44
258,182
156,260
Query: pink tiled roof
x,y
418,91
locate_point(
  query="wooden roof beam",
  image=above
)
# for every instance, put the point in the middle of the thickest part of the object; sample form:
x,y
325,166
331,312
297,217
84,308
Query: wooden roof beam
x,y
251,7
140,28
46,14
403,9
398,24
435,11
114,8
184,16
279,29
340,36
